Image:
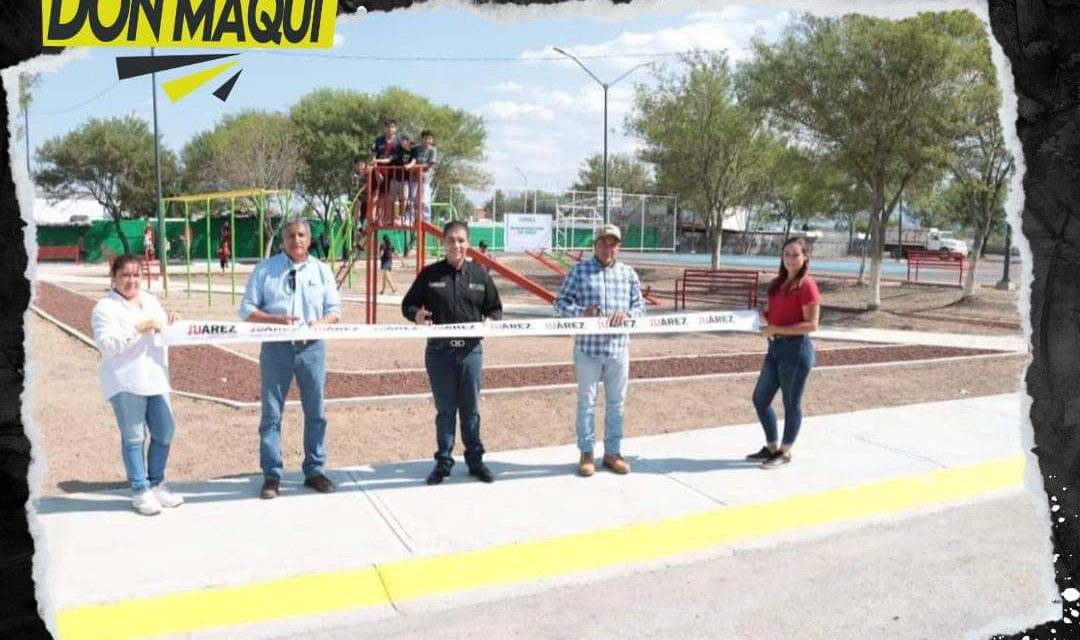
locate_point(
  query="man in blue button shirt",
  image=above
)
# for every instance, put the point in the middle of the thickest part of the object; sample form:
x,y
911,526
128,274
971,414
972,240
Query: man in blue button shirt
x,y
602,286
292,287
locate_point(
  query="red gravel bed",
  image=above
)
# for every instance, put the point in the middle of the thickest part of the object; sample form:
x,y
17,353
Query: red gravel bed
x,y
214,372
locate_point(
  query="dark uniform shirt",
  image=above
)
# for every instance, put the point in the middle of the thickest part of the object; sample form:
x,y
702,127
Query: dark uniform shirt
x,y
383,148
453,295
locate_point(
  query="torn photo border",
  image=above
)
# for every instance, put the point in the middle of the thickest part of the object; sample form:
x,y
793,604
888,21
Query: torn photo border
x,y
1041,41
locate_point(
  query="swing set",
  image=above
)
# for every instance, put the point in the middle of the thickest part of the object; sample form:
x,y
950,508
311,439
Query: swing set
x,y
261,198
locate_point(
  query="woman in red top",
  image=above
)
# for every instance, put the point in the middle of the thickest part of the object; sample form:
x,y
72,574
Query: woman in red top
x,y
791,315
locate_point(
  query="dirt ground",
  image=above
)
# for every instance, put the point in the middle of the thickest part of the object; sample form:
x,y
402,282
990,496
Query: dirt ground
x,y
918,307
81,442
209,371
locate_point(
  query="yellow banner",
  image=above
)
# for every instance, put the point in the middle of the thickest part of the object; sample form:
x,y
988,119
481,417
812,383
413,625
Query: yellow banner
x,y
233,24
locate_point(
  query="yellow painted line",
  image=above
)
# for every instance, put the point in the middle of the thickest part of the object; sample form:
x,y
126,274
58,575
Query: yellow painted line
x,y
425,577
223,606
184,85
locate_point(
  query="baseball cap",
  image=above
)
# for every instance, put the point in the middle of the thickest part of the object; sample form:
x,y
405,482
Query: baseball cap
x,y
607,230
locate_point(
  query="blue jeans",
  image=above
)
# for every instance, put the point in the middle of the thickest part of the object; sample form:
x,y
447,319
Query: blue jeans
x,y
615,372
279,362
455,374
786,368
135,415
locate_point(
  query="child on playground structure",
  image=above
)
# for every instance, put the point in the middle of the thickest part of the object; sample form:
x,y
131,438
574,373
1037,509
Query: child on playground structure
x,y
401,181
427,156
790,316
362,174
135,381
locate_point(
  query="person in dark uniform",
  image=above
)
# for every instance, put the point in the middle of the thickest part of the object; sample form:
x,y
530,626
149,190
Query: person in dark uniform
x,y
450,291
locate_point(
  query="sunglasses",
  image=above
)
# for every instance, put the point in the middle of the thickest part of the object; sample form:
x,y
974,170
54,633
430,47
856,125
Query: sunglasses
x,y
291,282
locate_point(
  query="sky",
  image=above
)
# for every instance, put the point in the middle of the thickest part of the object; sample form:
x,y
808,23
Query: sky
x,y
543,114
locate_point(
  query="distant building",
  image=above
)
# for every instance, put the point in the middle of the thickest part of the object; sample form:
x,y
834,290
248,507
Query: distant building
x,y
80,211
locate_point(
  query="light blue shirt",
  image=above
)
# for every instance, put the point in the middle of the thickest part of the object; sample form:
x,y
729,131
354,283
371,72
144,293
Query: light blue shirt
x,y
314,297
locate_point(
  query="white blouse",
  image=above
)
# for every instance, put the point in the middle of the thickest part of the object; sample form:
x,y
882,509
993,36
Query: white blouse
x,y
130,361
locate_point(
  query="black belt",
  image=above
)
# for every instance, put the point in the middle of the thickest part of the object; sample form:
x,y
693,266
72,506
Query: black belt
x,y
302,343
783,338
454,343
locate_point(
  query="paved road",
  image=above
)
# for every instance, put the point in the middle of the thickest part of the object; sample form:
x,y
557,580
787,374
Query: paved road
x,y
939,575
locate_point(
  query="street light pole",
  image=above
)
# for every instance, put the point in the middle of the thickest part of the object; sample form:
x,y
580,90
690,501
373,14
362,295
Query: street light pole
x,y
605,86
524,177
157,171
606,196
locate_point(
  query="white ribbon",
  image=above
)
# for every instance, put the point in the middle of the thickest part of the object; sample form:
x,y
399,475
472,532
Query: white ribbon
x,y
193,332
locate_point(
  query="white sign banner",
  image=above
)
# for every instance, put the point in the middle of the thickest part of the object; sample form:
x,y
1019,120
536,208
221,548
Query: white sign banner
x,y
527,232
188,332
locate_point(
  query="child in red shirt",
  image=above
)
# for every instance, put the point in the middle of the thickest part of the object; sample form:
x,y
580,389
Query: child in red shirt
x,y
791,315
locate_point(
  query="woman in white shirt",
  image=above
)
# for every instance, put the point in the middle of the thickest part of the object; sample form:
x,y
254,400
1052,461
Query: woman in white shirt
x,y
135,381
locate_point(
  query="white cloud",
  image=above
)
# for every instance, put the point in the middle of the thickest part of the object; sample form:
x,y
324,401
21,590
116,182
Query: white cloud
x,y
339,40
506,86
509,111
728,29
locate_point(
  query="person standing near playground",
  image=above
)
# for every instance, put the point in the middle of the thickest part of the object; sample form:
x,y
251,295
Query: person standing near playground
x,y
386,265
135,381
450,291
148,240
225,245
224,253
427,156
292,288
602,286
791,314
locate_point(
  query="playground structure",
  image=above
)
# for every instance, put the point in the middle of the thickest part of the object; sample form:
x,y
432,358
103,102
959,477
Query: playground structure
x,y
561,261
260,198
386,212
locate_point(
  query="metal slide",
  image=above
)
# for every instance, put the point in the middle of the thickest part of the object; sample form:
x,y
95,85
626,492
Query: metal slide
x,y
492,264
543,259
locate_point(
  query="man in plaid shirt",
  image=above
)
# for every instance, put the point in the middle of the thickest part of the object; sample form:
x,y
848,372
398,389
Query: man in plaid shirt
x,y
602,286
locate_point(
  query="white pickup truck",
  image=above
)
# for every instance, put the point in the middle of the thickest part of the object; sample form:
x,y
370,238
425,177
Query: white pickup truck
x,y
926,239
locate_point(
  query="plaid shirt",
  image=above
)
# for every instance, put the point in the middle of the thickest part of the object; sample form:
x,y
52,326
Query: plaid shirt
x,y
616,288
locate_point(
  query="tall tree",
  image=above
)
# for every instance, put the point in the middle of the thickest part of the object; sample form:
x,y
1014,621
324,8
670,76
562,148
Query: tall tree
x,y
111,161
27,82
797,188
982,165
707,147
882,98
624,172
252,149
459,135
334,126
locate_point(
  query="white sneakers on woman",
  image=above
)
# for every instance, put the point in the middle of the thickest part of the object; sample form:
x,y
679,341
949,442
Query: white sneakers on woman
x,y
151,501
146,503
167,498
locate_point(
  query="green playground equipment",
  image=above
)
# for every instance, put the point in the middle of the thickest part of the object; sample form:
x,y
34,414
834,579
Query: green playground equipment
x,y
560,257
261,199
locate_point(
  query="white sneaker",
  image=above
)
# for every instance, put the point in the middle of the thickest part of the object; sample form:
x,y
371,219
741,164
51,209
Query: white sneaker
x,y
146,503
167,498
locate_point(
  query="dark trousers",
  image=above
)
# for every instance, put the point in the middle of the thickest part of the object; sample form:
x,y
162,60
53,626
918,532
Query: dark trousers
x,y
786,368
455,374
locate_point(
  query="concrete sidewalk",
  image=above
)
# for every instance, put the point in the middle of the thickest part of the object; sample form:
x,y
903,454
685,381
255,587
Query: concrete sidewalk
x,y
389,532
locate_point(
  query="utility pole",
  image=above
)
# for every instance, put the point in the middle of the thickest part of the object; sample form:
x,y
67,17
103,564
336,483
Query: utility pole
x,y
157,171
605,86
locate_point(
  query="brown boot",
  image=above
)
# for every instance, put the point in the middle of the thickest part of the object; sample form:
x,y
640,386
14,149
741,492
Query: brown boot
x,y
586,467
617,464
